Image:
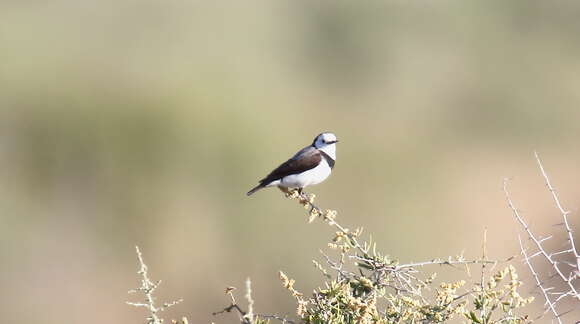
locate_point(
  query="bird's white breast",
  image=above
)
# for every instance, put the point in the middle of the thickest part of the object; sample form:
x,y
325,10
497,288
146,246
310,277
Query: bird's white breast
x,y
307,178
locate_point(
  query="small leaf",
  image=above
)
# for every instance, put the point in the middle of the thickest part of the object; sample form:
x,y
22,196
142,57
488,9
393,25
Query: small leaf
x,y
473,317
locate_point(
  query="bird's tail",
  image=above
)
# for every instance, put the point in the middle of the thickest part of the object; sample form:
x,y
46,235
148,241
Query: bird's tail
x,y
256,188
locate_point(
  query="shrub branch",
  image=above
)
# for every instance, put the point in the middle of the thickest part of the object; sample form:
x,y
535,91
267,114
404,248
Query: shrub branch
x,y
551,298
148,288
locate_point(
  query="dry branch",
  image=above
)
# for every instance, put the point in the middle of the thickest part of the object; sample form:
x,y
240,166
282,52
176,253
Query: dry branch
x,y
551,298
147,288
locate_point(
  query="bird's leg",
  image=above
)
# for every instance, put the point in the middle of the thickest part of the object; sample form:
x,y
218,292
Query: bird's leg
x,y
302,194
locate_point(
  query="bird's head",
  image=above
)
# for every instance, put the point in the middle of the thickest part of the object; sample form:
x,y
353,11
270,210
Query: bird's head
x,y
327,143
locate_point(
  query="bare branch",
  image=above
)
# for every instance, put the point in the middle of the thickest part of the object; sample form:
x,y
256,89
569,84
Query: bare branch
x,y
551,306
557,265
563,212
538,244
148,287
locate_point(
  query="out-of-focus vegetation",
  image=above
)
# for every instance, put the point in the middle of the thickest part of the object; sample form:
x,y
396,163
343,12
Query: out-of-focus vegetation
x,y
145,122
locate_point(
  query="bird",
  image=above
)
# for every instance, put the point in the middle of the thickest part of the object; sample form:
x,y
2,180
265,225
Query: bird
x,y
309,166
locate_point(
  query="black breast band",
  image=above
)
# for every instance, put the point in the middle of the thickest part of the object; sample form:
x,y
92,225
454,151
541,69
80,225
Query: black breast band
x,y
328,159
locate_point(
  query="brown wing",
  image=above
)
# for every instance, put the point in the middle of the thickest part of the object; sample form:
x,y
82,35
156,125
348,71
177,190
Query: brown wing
x,y
306,159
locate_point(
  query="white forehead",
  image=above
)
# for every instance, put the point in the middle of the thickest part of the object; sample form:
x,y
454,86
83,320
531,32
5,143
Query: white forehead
x,y
327,137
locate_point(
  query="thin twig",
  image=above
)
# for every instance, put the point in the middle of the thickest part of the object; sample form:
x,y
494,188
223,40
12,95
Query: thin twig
x,y
304,199
250,314
276,317
444,262
482,283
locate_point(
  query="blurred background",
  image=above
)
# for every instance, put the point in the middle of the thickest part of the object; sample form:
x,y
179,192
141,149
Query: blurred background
x,y
144,122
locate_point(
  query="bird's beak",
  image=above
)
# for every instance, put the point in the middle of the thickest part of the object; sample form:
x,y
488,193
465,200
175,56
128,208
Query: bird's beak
x,y
332,142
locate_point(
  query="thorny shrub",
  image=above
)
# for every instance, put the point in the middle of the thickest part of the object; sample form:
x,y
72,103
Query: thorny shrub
x,y
363,286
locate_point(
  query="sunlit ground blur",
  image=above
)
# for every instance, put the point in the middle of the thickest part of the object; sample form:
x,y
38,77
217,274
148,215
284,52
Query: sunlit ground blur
x,y
128,123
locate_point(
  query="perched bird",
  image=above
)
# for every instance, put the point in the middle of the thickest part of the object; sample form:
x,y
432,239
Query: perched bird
x,y
310,166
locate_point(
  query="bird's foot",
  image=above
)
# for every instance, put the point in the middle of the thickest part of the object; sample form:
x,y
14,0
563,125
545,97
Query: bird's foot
x,y
306,197
303,195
